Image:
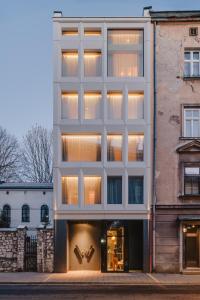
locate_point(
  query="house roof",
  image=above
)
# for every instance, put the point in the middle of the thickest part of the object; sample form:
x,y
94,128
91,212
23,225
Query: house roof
x,y
26,186
179,15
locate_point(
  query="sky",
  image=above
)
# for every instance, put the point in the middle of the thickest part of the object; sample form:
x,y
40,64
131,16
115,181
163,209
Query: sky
x,y
26,96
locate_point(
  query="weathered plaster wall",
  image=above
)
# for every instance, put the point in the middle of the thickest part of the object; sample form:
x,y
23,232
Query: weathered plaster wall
x,y
172,92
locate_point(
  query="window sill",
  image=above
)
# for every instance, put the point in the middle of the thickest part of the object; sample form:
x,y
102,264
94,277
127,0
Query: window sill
x,y
191,77
188,138
189,197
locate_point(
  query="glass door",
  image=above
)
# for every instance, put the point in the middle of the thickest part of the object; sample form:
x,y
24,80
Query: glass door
x,y
115,249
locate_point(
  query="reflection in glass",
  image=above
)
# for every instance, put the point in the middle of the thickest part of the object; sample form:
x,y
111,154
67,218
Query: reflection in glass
x,y
135,106
136,147
114,105
92,63
115,249
114,150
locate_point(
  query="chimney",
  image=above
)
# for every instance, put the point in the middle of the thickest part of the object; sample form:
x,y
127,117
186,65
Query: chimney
x,y
57,14
146,11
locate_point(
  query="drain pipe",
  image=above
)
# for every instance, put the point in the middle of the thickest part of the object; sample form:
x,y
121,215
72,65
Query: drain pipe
x,y
154,148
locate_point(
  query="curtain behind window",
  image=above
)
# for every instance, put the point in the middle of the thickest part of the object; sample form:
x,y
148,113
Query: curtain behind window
x,y
114,190
135,190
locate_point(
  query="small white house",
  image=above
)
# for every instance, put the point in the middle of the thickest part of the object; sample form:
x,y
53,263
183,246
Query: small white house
x,y
28,204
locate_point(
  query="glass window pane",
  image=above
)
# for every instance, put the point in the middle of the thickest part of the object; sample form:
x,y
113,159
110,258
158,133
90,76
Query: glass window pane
x,y
70,63
92,63
135,106
92,190
69,106
114,151
114,105
195,128
195,185
135,147
188,113
125,53
188,128
115,249
187,55
135,190
187,68
196,55
114,190
71,32
93,32
196,113
81,148
188,186
70,190
192,170
92,106
196,69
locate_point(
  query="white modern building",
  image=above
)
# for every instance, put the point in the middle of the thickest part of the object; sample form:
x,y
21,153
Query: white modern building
x,y
28,204
102,143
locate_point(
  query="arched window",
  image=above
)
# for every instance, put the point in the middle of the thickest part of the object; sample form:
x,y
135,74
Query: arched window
x,y
44,214
6,215
25,213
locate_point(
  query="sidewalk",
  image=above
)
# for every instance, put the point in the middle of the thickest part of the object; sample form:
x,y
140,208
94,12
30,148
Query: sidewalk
x,y
97,278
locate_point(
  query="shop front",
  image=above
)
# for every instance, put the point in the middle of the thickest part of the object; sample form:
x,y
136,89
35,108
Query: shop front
x,y
108,246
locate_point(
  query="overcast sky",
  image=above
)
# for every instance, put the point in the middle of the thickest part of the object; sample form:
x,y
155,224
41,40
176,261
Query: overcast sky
x,y
26,52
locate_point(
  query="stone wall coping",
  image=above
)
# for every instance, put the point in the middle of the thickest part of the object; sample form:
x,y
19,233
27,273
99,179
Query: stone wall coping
x,y
8,229
22,227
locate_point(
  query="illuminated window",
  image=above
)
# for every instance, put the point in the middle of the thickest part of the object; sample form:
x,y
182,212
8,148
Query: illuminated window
x,y
135,106
114,105
92,105
81,148
70,190
71,32
125,53
114,150
69,106
92,63
92,190
92,32
70,63
136,147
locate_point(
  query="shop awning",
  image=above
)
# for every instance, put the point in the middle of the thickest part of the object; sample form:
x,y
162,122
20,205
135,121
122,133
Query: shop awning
x,y
188,218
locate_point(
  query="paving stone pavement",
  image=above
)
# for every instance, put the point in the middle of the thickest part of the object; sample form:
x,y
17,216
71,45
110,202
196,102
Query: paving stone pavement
x,y
99,278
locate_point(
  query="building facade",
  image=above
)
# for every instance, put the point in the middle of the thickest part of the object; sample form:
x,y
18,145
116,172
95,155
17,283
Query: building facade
x,y
177,176
28,204
102,143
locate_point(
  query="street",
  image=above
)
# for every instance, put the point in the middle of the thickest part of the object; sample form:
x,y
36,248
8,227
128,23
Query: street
x,y
92,292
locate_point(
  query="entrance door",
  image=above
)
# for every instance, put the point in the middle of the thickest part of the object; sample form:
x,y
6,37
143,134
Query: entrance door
x,y
115,249
191,248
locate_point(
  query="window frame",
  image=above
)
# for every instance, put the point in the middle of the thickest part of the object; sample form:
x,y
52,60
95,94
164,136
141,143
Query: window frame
x,y
191,165
121,192
141,177
43,207
191,61
190,107
25,213
143,54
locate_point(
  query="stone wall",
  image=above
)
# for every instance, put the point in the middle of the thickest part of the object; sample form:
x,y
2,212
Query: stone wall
x,y
45,250
12,243
12,250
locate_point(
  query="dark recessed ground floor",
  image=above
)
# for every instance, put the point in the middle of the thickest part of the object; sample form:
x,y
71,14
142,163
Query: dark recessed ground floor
x,y
105,245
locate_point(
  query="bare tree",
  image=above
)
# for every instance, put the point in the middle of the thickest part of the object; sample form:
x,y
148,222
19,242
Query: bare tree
x,y
9,157
37,155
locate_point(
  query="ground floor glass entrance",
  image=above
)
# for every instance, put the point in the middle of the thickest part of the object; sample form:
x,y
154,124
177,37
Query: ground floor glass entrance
x,y
115,249
191,249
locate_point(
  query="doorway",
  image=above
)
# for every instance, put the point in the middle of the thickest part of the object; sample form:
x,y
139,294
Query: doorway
x,y
115,249
191,246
